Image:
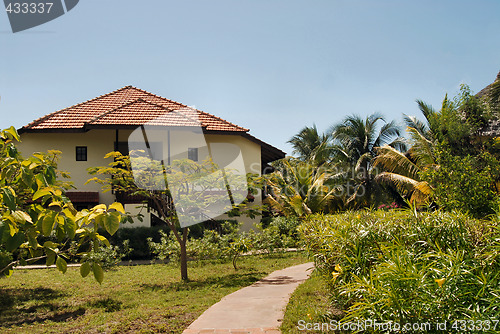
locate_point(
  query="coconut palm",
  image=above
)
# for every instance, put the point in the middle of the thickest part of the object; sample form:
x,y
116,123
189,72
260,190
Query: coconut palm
x,y
403,173
299,188
310,145
402,170
356,141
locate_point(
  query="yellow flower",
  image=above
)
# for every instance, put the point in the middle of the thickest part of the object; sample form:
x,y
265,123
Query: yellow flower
x,y
358,216
440,281
338,268
309,316
335,275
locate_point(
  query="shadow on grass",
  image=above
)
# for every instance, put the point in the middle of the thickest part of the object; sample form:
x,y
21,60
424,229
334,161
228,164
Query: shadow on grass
x,y
108,304
26,306
231,280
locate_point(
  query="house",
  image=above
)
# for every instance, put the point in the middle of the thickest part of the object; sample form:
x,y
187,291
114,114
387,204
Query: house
x,y
87,131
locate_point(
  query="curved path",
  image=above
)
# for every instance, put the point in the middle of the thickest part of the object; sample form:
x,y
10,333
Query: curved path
x,y
256,309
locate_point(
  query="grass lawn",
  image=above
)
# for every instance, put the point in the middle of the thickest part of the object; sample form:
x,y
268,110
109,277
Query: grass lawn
x,y
309,302
143,299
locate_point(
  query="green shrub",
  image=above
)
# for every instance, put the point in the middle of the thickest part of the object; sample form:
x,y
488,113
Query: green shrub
x,y
287,226
108,257
465,183
407,267
280,234
137,240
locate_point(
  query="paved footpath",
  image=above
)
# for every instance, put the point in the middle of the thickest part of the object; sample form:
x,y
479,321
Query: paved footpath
x,y
256,309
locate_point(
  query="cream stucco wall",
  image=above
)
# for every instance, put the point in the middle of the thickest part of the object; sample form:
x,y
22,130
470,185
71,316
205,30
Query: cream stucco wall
x,y
252,161
98,142
101,142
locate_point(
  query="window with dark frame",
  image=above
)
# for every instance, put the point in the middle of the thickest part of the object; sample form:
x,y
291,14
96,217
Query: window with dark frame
x,y
193,153
81,153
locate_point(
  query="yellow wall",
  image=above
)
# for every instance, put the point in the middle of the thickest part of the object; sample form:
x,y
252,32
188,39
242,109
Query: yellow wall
x,y
98,142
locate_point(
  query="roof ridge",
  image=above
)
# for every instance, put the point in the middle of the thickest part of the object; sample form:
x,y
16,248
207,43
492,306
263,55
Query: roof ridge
x,y
140,99
114,109
41,119
158,96
204,112
182,104
121,98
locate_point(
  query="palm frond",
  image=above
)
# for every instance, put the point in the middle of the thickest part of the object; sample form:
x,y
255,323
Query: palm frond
x,y
422,191
393,161
418,125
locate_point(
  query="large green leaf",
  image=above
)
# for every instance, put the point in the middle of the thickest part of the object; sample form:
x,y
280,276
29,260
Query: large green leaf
x,y
13,132
61,264
51,258
50,175
98,272
85,269
9,198
118,207
33,243
21,216
112,222
40,193
70,227
103,240
12,243
48,224
27,177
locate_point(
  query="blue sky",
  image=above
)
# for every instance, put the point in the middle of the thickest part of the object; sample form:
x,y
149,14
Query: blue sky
x,y
268,65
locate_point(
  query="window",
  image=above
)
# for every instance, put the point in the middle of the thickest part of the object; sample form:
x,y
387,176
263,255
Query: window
x,y
81,153
193,153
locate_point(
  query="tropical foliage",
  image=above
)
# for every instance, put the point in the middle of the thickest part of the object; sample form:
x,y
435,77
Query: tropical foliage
x,y
403,169
299,188
311,146
357,139
333,171
33,204
405,266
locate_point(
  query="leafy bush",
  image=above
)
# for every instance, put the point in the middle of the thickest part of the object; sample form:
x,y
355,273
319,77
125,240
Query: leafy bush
x,y
108,257
137,240
287,226
211,246
465,183
408,267
280,234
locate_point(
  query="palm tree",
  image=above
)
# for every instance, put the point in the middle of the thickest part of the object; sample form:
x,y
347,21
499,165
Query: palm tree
x,y
309,145
356,141
403,173
403,170
298,188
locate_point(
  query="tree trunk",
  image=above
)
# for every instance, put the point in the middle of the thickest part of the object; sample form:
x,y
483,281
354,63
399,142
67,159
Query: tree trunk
x,y
181,239
184,269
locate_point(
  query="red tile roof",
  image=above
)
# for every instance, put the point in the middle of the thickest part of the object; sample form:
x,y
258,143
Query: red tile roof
x,y
129,106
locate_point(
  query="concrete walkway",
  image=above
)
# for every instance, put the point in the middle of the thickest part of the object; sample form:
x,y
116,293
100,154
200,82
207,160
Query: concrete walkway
x,y
256,309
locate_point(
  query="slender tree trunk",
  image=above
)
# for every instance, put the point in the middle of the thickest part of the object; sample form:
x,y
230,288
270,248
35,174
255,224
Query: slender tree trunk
x,y
180,239
184,272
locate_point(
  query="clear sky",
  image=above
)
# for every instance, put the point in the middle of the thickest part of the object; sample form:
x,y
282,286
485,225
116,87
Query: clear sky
x,y
273,66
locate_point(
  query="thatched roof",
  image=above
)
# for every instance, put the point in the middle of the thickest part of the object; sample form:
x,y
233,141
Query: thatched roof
x,y
493,128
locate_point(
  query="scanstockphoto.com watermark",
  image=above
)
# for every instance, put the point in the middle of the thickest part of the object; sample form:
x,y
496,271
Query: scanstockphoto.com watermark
x,y
392,326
